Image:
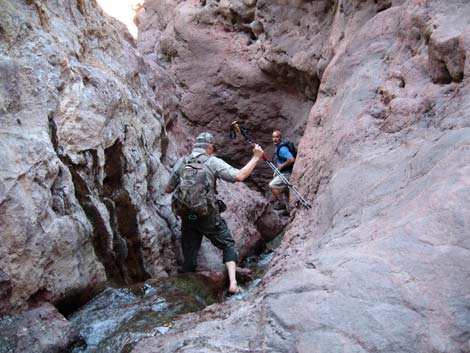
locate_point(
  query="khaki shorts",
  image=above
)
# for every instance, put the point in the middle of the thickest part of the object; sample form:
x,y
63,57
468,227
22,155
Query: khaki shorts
x,y
277,183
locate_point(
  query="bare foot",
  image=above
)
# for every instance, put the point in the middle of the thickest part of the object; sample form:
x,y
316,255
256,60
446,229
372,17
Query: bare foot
x,y
233,288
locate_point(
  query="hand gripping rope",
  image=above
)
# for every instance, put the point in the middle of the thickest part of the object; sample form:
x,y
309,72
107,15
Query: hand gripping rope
x,y
236,129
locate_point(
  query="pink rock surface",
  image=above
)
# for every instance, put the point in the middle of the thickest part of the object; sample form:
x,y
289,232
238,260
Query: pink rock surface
x,y
380,262
376,93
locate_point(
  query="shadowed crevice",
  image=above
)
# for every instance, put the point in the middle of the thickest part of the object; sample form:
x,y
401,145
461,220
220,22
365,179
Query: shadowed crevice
x,y
110,211
126,239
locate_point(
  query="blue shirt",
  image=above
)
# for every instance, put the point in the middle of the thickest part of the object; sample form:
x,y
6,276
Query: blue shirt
x,y
284,155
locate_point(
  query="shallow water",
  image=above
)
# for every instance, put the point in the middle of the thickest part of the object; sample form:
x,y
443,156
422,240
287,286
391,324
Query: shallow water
x,y
118,318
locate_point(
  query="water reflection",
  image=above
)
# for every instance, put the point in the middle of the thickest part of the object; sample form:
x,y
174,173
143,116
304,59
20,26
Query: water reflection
x,y
118,318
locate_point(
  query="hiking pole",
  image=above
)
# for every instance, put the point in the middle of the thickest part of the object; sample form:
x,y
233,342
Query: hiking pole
x,y
235,128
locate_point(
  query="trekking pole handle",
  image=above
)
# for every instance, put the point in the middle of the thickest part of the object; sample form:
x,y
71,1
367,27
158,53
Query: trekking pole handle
x,y
245,135
236,127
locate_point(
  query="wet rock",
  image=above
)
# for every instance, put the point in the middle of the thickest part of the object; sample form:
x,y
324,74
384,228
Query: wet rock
x,y
39,330
118,318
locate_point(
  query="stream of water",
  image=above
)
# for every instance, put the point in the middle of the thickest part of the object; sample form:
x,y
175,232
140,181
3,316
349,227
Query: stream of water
x,y
116,319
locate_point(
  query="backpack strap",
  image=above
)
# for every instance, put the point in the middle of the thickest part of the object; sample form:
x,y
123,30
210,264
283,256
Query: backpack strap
x,y
201,159
282,160
207,171
278,150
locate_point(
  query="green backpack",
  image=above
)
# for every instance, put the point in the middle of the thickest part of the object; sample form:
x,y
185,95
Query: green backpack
x,y
194,195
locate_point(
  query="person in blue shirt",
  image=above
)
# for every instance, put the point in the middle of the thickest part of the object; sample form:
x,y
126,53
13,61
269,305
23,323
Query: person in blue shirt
x,y
284,161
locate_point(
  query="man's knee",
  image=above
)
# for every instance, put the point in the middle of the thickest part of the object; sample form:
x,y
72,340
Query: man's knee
x,y
272,184
228,246
276,186
230,254
278,183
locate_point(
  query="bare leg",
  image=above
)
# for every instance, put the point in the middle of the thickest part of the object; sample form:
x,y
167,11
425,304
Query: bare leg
x,y
286,195
279,199
231,269
276,193
286,198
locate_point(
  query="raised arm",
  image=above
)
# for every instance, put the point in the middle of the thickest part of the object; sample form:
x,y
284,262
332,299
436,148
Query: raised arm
x,y
248,168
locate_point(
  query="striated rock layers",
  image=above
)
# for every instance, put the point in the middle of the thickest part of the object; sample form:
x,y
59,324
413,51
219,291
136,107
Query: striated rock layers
x,y
381,262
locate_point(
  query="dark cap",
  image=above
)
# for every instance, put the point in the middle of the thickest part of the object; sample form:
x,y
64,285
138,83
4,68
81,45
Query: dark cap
x,y
204,139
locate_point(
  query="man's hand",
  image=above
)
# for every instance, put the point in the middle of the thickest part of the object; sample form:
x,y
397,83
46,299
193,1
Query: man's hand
x,y
248,168
258,151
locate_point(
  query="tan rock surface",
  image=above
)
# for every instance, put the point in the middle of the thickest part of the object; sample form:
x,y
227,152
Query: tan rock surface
x,y
81,154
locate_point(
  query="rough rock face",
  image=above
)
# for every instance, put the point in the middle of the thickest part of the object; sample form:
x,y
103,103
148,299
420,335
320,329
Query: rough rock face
x,y
89,129
223,74
42,329
380,263
82,150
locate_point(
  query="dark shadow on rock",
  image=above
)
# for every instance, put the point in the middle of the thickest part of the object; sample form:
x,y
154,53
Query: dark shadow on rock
x,y
5,292
41,330
272,222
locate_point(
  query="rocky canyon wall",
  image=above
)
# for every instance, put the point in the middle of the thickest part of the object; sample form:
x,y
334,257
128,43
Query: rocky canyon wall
x,y
83,147
380,263
89,131
225,74
375,92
